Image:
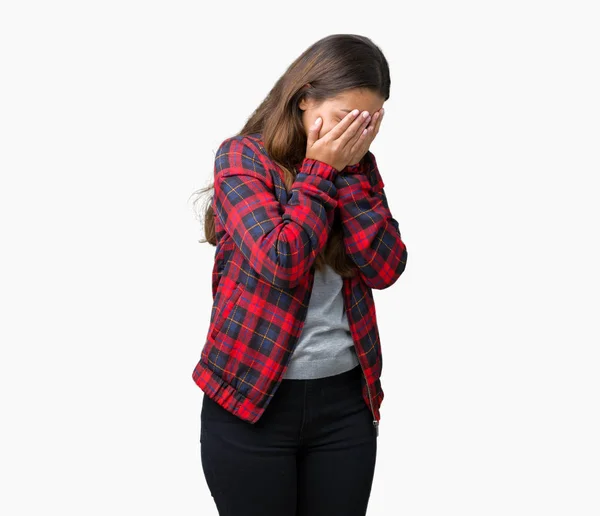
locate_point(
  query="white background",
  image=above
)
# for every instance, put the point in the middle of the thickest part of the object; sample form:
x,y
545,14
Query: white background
x,y
110,114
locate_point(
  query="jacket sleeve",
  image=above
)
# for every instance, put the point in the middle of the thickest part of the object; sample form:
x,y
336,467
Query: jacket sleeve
x,y
280,241
372,236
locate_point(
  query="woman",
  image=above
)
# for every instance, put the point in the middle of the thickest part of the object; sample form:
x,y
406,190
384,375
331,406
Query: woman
x,y
291,364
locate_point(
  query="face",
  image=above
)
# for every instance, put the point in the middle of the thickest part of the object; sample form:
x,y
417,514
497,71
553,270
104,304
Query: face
x,y
334,109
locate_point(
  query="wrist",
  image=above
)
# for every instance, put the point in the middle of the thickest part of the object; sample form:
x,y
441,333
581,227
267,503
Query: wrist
x,y
354,168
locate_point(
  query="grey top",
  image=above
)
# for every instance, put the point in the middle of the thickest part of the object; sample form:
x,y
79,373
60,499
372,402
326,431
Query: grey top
x,y
325,347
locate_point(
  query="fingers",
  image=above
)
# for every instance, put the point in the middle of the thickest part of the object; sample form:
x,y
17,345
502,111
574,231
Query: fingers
x,y
366,137
373,128
313,132
351,136
354,131
362,137
349,139
360,145
376,121
342,125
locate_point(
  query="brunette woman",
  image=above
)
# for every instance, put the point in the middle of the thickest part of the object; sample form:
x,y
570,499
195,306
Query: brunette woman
x,y
303,232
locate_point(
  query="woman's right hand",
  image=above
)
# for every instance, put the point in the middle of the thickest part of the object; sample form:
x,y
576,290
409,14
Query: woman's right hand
x,y
337,147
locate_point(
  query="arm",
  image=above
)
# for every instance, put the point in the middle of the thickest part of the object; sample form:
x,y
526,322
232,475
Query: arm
x,y
279,241
371,235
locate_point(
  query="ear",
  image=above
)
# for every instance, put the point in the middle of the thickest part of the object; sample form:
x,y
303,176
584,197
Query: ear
x,y
304,102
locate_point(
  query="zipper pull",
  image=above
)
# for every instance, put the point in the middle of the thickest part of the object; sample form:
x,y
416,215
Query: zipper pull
x,y
376,425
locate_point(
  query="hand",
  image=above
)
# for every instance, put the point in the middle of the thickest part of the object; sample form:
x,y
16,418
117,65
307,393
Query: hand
x,y
339,145
365,141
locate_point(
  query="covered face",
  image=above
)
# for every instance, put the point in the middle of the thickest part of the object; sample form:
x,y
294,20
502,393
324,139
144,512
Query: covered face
x,y
334,109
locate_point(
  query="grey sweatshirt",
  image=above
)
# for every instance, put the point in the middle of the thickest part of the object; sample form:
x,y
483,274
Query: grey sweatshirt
x,y
325,346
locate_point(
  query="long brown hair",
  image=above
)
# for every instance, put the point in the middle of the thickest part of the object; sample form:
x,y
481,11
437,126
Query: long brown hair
x,y
333,64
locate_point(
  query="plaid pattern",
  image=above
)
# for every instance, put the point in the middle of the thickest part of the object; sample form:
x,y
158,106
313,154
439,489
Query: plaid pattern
x,y
267,240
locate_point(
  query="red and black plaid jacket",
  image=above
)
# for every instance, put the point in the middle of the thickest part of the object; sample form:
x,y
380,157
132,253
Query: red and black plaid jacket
x,y
267,241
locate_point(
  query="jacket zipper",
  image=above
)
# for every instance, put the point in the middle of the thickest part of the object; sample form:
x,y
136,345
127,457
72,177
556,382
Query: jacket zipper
x,y
375,422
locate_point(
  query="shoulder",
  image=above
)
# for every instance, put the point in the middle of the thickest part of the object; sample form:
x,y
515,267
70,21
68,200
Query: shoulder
x,y
238,145
242,154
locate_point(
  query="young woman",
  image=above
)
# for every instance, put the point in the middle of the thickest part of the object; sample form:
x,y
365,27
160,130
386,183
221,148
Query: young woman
x,y
303,232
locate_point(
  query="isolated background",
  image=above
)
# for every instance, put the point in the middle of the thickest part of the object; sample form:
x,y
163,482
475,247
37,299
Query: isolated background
x,y
110,114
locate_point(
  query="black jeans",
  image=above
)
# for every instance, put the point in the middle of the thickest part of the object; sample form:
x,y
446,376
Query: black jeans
x,y
311,453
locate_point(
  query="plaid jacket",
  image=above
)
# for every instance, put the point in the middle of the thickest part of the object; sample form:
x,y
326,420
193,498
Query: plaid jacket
x,y
267,241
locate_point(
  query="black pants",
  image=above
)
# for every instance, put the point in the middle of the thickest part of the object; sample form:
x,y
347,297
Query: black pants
x,y
311,453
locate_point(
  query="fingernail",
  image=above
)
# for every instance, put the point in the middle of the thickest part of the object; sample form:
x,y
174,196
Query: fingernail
x,y
318,121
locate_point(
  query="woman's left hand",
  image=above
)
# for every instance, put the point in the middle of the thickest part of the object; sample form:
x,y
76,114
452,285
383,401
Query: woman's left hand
x,y
364,142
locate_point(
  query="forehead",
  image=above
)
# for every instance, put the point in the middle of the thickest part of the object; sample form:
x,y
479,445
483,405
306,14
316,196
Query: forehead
x,y
358,98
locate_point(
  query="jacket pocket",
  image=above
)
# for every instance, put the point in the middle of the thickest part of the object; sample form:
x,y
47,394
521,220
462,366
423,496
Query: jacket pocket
x,y
225,310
